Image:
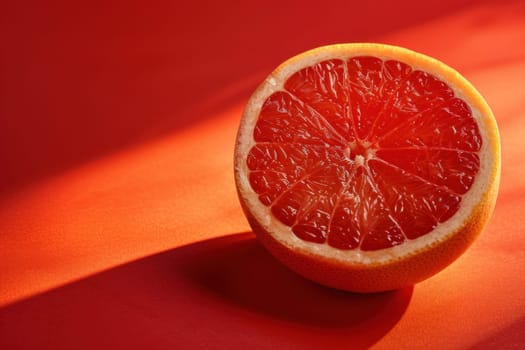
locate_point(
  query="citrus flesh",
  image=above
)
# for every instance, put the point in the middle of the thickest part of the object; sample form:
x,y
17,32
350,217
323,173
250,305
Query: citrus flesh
x,y
354,159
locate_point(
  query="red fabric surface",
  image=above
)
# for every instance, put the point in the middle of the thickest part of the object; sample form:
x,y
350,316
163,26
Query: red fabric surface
x,y
119,222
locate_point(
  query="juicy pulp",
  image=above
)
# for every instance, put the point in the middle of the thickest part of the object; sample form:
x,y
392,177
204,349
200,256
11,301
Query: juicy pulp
x,y
363,153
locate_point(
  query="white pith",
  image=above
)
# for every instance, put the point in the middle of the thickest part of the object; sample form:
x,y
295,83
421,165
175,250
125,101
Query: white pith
x,y
275,82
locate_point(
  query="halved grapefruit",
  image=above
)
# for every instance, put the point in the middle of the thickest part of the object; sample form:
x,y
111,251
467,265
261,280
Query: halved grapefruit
x,y
367,167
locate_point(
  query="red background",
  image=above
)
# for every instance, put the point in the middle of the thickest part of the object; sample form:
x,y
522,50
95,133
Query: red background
x,y
119,222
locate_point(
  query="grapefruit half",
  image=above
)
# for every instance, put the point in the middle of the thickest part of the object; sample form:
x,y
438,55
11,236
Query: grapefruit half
x,y
367,167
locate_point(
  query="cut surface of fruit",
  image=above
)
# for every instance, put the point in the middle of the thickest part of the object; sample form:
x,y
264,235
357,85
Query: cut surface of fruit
x,y
360,158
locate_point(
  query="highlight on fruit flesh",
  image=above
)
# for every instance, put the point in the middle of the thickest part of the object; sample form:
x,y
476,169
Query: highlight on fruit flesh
x,y
352,157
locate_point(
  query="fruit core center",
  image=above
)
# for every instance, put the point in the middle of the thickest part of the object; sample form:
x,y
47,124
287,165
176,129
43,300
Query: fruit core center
x,y
360,151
